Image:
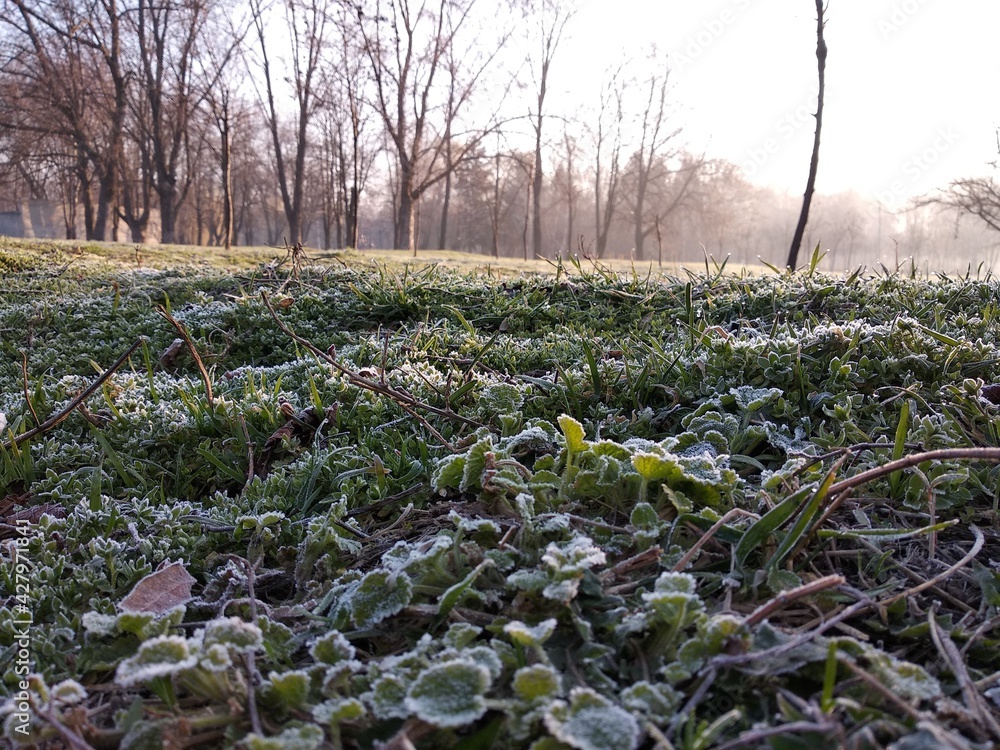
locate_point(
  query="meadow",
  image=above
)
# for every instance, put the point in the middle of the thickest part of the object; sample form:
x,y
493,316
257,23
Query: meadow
x,y
270,500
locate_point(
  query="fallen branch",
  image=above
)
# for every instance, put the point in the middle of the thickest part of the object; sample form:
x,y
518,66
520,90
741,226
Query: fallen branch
x,y
55,419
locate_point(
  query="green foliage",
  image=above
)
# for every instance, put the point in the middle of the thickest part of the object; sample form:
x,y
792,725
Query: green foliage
x,y
595,535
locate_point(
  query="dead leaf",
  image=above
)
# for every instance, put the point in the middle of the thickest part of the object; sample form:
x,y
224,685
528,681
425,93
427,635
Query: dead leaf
x,y
160,591
171,353
991,393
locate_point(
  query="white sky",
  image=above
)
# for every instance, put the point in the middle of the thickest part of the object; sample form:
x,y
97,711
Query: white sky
x,y
912,98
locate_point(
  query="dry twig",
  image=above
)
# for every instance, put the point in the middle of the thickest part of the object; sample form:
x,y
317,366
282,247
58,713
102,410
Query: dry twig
x,y
83,396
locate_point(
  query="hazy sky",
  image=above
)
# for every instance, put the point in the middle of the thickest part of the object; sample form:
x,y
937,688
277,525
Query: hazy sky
x,y
913,86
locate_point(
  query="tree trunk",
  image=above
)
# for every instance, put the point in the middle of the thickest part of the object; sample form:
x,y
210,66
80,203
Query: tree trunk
x,y
536,186
443,241
640,208
800,229
227,181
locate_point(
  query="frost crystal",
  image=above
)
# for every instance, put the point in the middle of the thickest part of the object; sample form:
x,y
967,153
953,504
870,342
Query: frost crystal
x,y
234,633
450,694
332,648
380,594
157,657
530,636
591,722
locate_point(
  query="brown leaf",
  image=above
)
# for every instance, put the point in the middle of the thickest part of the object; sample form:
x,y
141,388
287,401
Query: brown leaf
x,y
12,521
991,393
171,353
160,591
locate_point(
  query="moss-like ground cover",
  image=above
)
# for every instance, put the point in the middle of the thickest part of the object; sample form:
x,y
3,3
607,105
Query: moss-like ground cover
x,y
336,507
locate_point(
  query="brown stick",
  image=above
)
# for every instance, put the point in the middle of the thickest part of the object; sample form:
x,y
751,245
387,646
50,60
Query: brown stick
x,y
194,352
87,393
982,454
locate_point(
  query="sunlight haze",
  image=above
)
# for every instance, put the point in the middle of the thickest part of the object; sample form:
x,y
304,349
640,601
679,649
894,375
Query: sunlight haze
x,y
910,97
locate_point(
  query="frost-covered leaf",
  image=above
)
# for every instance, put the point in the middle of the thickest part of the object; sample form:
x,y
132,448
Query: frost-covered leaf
x,y
68,693
461,634
160,591
537,682
381,594
658,701
589,721
305,737
448,473
288,689
485,656
500,398
752,399
573,431
158,657
97,624
332,648
337,710
574,557
234,633
387,697
654,467
450,694
530,636
476,460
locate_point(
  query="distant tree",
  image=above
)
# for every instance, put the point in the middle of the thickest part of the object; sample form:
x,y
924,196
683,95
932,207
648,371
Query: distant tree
x,y
649,170
976,196
800,229
306,23
607,144
64,62
545,21
421,89
173,80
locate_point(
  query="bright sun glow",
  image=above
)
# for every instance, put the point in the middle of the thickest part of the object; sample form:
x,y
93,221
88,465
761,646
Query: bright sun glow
x,y
911,85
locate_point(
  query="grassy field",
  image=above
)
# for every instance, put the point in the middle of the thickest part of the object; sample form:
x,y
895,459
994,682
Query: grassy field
x,y
345,499
119,256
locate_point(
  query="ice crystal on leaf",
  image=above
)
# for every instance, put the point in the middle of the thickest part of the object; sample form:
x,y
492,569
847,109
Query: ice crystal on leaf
x,y
234,633
535,683
379,595
530,636
336,710
158,657
305,737
450,694
332,648
589,721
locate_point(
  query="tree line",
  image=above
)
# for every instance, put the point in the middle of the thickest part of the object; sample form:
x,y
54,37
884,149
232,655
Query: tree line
x,y
260,122
362,123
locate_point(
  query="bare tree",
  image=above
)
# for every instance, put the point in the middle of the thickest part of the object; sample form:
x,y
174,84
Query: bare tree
x,y
607,175
67,58
306,22
168,35
407,47
649,170
976,196
800,229
546,20
350,145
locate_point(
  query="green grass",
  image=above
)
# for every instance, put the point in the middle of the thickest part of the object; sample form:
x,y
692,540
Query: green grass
x,y
544,506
